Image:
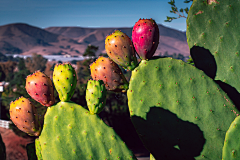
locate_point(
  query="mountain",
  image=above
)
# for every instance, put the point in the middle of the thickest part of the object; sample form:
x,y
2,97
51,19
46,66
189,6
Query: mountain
x,y
20,38
171,40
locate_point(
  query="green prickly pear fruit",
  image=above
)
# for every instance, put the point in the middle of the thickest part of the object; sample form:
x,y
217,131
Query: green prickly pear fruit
x,y
108,71
95,96
119,48
65,80
24,115
39,86
145,38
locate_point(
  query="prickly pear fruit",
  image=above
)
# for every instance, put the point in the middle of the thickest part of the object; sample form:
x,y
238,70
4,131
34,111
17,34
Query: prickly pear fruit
x,y
120,49
145,37
24,115
65,80
108,71
39,87
95,96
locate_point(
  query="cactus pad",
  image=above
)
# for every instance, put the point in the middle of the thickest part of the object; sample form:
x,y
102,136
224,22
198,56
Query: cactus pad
x,y
231,148
214,26
71,132
38,149
95,96
178,111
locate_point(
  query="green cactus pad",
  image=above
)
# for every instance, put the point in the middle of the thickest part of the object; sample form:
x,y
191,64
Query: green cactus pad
x,y
213,37
38,149
178,111
71,132
151,157
96,96
231,148
65,80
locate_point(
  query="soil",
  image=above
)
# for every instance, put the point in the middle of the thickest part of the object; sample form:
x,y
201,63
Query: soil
x,y
15,145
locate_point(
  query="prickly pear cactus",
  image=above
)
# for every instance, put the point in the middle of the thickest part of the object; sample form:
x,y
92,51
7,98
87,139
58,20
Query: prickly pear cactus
x,y
178,111
231,148
212,35
95,96
145,38
119,48
69,130
65,80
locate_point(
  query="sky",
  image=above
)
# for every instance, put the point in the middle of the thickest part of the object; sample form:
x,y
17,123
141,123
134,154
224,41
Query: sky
x,y
88,13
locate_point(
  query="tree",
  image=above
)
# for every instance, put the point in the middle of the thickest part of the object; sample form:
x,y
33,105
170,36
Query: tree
x,y
175,10
36,62
20,76
90,51
2,74
8,69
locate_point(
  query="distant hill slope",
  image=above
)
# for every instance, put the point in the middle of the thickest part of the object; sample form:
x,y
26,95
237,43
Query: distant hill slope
x,y
24,39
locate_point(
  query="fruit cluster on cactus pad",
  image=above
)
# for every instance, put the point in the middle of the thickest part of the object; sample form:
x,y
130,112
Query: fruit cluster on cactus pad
x,y
69,130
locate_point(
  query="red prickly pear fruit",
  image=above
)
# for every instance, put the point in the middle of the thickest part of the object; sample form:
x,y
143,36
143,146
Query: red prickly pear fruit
x,y
39,86
24,115
119,48
108,71
145,38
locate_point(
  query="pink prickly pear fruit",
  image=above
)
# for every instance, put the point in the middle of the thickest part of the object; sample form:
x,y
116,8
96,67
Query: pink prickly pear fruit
x,y
120,49
145,38
108,71
39,86
24,115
